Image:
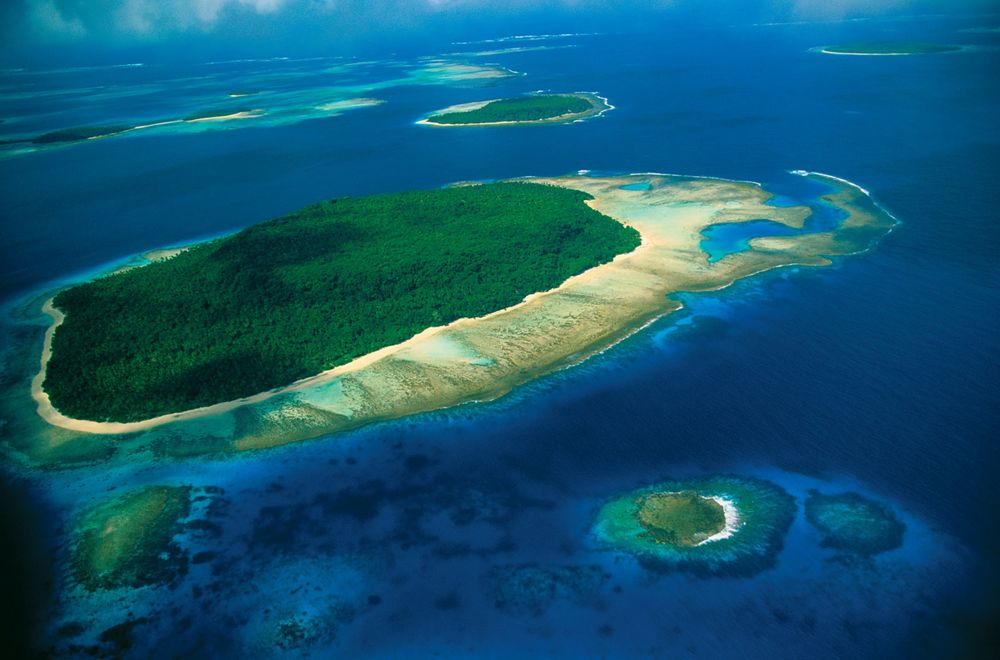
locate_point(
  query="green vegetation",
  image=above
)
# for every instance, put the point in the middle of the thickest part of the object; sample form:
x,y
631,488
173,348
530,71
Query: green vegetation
x,y
306,292
81,133
680,518
128,542
890,48
537,107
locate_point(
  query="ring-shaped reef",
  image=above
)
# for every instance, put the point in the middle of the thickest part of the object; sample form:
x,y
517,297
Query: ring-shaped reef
x,y
854,524
715,525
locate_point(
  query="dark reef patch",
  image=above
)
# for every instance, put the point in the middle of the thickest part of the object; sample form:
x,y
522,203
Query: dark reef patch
x,y
531,588
852,523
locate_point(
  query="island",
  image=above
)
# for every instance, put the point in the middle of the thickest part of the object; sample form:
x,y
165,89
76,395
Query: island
x,y
888,48
714,524
313,290
853,524
270,282
522,110
81,133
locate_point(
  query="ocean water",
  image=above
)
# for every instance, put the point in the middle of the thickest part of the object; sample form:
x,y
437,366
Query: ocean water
x,y
878,374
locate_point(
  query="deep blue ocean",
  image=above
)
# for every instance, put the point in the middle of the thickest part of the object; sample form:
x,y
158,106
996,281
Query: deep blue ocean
x,y
879,374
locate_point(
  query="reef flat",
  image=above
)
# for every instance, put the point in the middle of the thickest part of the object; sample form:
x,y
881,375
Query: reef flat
x,y
709,525
477,359
522,110
852,523
128,541
220,100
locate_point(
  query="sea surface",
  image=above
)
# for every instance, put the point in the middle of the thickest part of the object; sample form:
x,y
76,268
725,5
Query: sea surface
x,y
467,532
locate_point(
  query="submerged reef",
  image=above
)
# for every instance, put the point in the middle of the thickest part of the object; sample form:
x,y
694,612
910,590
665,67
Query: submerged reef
x,y
531,588
718,525
854,524
129,541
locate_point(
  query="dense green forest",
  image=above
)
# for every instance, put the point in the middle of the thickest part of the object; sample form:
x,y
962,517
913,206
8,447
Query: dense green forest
x,y
300,294
524,108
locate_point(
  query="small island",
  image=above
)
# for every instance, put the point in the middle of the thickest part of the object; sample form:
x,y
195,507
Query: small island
x,y
854,524
521,110
888,48
708,525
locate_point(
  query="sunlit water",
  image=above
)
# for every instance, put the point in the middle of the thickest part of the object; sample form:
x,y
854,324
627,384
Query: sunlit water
x,y
876,375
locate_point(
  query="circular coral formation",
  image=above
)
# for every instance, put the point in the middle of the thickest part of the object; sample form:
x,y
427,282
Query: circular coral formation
x,y
709,525
852,523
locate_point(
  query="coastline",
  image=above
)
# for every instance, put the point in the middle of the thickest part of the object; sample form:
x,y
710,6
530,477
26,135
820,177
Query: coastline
x,y
732,517
483,358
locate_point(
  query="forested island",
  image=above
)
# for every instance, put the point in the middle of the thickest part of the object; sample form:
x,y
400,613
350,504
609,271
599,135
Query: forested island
x,y
303,293
888,48
530,109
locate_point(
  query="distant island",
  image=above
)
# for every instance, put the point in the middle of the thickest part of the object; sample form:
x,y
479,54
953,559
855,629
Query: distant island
x,y
78,133
888,48
530,109
306,292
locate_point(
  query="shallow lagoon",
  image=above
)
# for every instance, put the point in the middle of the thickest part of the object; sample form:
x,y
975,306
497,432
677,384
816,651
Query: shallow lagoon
x,y
728,238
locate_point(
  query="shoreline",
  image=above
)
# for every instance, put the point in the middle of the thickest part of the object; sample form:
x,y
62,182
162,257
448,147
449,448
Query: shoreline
x,y
732,517
483,358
